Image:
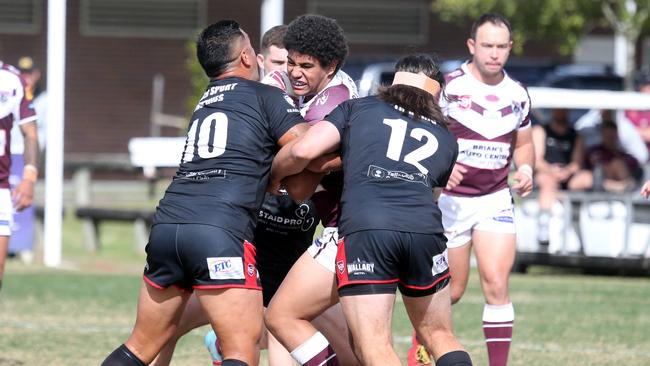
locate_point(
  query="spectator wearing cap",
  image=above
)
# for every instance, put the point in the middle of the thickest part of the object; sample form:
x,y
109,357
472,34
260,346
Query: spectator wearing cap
x,y
31,75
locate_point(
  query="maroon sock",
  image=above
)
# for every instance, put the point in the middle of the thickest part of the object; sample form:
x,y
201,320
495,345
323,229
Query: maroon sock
x,y
316,351
326,357
498,321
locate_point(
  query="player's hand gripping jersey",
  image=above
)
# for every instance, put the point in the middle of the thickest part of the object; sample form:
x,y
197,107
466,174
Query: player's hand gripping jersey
x,y
225,164
16,107
485,119
392,163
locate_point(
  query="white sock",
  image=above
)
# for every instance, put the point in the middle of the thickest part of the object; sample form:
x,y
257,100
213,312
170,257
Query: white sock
x,y
310,348
498,313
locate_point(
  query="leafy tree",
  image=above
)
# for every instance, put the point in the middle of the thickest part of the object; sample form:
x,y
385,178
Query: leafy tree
x,y
560,21
198,80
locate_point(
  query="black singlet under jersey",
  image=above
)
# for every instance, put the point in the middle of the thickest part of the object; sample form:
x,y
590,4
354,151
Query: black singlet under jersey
x,y
391,164
227,157
559,147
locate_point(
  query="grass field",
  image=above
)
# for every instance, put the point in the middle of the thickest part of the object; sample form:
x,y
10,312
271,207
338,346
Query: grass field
x,y
77,314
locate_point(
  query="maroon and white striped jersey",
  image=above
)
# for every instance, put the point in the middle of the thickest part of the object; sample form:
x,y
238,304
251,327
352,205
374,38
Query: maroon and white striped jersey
x,y
485,119
15,107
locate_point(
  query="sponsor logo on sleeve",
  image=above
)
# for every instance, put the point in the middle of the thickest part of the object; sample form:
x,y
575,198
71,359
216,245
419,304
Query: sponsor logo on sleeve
x,y
464,101
226,268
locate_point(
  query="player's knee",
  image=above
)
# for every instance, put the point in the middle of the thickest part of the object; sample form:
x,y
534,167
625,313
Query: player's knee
x,y
273,320
496,290
456,294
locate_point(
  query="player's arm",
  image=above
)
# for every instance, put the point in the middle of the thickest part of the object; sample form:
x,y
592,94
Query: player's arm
x,y
293,158
524,158
293,133
539,143
645,190
577,156
23,194
326,163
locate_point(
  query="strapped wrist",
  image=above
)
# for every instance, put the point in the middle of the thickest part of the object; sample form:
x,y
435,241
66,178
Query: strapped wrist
x,y
526,169
30,173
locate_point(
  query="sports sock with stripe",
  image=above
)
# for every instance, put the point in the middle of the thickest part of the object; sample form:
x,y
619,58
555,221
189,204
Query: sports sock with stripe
x,y
316,351
498,321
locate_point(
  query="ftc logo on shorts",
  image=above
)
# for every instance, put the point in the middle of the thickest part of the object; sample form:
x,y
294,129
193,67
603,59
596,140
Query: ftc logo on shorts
x,y
439,263
226,268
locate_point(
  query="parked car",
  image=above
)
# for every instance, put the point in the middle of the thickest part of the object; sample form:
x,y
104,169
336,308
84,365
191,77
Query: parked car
x,y
580,77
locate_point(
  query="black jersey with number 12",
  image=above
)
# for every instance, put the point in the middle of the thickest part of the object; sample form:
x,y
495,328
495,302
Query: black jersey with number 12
x,y
391,163
225,164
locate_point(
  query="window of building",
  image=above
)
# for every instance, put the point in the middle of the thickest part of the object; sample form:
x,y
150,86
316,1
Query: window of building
x,y
21,16
378,21
142,18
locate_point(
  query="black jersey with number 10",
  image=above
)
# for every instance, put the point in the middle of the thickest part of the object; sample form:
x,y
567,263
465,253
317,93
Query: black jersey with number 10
x,y
391,164
230,144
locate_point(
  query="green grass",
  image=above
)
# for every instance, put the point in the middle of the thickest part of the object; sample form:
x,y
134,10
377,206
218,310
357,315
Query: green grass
x,y
76,315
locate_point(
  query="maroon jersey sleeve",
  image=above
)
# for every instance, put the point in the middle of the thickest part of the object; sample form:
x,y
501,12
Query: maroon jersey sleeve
x,y
326,101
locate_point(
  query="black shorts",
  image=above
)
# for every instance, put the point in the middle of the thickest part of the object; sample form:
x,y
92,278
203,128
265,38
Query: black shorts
x,y
379,261
271,276
196,256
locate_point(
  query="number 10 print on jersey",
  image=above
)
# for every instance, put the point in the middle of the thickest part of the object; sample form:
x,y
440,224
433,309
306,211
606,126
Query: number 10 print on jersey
x,y
207,137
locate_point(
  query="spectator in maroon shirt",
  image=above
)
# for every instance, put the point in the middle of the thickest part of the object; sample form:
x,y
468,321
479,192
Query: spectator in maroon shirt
x,y
607,167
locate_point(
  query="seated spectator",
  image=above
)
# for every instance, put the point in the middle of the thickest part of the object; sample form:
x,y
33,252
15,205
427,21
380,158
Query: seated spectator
x,y
559,154
607,167
588,126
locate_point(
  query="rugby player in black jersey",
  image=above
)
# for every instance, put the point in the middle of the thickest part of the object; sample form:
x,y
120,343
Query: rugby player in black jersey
x,y
285,228
203,227
397,155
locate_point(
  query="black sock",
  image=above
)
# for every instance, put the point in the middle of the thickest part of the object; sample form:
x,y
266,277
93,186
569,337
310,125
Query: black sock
x,y
454,358
122,356
233,362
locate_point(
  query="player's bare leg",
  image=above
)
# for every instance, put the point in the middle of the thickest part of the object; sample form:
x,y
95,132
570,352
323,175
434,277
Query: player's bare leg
x,y
277,354
4,248
158,314
459,260
431,318
333,325
193,317
369,318
308,290
459,268
236,315
495,253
